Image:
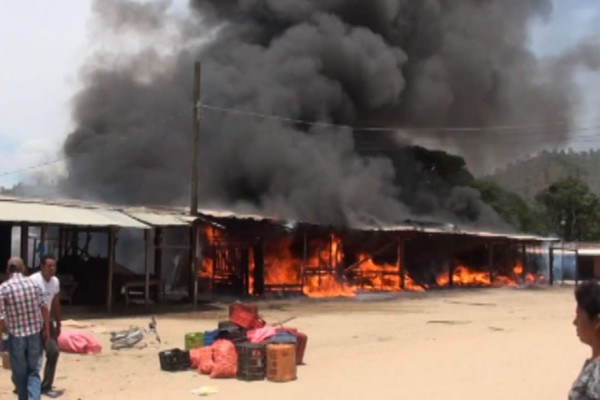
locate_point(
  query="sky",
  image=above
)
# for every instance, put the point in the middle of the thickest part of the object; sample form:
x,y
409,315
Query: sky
x,y
44,43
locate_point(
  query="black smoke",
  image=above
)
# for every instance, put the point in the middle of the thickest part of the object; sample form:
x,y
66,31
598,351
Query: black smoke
x,y
433,63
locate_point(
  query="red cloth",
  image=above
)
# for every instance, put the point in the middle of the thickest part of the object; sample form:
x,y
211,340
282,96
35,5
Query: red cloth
x,y
78,342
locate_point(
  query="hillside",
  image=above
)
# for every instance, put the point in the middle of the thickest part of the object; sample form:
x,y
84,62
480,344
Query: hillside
x,y
529,177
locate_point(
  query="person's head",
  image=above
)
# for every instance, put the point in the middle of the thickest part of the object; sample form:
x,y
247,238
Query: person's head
x,y
48,266
587,314
15,266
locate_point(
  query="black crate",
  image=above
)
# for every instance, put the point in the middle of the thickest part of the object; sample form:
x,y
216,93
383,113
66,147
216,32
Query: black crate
x,y
252,361
231,332
174,360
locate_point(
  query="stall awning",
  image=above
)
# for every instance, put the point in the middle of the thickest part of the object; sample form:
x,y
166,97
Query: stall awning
x,y
39,213
158,219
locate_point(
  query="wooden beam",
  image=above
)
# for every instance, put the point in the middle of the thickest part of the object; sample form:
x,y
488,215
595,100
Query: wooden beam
x,y
111,267
146,269
158,238
401,263
25,243
491,262
193,284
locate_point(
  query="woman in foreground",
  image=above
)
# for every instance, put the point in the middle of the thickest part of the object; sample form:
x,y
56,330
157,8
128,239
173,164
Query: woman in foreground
x,y
587,322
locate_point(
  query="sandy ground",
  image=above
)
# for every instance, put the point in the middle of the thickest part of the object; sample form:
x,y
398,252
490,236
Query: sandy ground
x,y
465,344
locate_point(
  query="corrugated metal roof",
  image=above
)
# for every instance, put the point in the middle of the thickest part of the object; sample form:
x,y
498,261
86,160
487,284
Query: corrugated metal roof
x,y
160,219
40,213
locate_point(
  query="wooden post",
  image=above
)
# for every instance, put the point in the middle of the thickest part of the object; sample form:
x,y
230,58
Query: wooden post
x,y
524,261
25,244
111,267
576,267
304,260
146,269
551,269
60,242
193,285
259,267
43,235
195,141
195,260
491,263
401,266
158,238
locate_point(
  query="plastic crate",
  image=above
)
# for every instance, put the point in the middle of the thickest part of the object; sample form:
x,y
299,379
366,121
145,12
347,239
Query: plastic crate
x,y
194,340
174,360
252,359
245,315
281,362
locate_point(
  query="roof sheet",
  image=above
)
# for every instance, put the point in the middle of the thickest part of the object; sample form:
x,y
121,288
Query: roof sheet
x,y
33,212
159,219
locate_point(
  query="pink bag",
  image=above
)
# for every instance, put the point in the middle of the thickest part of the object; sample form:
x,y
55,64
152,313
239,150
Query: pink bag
x,y
261,334
78,342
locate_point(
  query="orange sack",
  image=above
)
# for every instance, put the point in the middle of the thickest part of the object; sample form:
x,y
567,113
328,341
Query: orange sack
x,y
205,360
225,360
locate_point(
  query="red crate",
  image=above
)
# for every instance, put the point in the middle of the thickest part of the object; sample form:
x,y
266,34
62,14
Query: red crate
x,y
245,315
301,344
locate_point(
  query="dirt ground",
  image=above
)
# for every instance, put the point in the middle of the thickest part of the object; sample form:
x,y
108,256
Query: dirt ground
x,y
462,344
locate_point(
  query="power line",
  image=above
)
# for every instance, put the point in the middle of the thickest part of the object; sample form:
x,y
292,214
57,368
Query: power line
x,y
16,171
398,128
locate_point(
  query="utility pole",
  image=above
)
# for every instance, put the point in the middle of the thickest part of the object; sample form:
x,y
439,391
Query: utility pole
x,y
195,141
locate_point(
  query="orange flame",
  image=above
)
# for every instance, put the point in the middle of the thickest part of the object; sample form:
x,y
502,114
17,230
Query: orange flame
x,y
326,275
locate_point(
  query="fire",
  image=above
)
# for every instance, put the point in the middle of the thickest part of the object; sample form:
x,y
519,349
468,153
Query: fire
x,y
207,262
464,276
322,267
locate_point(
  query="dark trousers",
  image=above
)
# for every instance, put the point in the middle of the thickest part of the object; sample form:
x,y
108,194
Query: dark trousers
x,y
52,353
25,361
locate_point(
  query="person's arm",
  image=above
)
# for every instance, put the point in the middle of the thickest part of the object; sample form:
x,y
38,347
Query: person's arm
x,y
2,315
45,314
56,312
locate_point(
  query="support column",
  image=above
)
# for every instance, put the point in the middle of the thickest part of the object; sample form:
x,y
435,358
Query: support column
x,y
193,285
112,231
551,269
259,267
146,269
491,263
158,241
401,265
524,261
25,244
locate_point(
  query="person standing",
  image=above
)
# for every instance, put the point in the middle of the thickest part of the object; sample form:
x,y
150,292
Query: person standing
x,y
50,285
25,317
587,323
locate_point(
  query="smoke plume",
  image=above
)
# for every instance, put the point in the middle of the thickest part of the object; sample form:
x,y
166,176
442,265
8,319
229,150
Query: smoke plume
x,y
433,63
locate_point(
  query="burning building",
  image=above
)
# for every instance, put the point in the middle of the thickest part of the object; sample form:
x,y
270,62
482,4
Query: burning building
x,y
262,257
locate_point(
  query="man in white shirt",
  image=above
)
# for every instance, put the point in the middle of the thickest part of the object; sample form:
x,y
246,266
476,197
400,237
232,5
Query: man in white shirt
x,y
46,279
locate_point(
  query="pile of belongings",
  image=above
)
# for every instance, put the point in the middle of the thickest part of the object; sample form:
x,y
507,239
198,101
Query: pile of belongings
x,y
131,337
215,353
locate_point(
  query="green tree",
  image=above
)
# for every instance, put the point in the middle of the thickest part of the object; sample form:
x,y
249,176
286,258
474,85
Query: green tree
x,y
512,208
571,209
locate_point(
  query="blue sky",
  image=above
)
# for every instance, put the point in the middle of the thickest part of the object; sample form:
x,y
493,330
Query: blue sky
x,y
43,44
